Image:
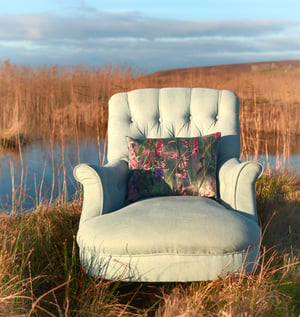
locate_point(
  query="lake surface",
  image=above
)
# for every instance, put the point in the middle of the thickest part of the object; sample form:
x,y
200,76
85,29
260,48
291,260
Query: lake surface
x,y
41,173
278,162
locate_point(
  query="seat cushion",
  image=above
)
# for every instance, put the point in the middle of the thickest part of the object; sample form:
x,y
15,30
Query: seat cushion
x,y
170,225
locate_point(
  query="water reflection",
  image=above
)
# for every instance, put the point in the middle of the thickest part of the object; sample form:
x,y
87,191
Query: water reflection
x,y
278,162
41,173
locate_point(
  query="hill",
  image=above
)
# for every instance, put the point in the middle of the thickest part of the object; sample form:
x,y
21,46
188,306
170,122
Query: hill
x,y
285,66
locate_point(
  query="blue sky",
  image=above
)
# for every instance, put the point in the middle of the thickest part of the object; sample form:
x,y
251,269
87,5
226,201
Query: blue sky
x,y
149,35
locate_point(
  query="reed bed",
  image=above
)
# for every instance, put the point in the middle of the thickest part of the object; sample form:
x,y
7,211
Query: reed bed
x,y
43,102
51,102
269,100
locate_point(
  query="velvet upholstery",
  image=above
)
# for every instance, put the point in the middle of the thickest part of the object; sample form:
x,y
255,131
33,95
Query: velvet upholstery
x,y
174,238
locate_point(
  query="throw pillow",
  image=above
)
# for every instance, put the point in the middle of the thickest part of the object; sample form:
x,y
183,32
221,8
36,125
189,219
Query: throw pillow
x,y
172,166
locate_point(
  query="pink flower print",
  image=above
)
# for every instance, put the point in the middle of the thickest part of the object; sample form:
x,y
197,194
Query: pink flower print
x,y
133,160
181,175
153,159
218,135
182,164
185,143
131,152
162,164
170,142
146,151
158,147
188,190
149,141
130,142
134,164
172,155
147,165
196,148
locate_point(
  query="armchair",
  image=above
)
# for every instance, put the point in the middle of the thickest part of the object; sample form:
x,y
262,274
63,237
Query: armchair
x,y
169,238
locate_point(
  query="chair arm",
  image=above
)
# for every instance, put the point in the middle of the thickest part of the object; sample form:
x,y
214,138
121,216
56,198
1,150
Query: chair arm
x,y
104,187
237,185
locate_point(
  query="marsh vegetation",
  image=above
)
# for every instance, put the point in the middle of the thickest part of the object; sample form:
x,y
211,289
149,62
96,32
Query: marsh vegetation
x,y
51,102
40,273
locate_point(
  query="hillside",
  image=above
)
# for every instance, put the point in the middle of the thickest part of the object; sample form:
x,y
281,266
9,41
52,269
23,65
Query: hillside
x,y
236,69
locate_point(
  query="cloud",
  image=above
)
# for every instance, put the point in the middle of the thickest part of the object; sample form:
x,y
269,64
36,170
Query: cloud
x,y
101,37
130,24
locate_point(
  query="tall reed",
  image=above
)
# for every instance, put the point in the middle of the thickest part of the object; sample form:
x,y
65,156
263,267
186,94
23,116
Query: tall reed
x,y
49,101
57,104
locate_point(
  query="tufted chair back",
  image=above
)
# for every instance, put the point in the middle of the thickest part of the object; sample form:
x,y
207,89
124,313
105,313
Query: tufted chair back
x,y
173,112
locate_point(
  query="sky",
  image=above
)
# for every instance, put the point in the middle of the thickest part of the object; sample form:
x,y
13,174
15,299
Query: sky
x,y
148,35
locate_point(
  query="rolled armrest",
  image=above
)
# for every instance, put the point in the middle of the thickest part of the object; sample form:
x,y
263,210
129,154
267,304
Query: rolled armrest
x,y
237,185
104,187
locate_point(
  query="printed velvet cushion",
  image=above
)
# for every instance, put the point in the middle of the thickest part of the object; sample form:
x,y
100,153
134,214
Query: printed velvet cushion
x,y
177,166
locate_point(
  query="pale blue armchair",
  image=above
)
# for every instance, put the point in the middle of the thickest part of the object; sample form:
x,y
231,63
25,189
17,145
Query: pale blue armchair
x,y
169,238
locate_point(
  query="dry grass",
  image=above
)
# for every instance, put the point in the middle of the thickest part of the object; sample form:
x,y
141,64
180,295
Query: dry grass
x,y
50,101
53,102
40,272
241,295
269,100
279,209
274,288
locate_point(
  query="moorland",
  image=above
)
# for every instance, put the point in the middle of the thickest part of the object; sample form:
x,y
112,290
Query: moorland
x,y
40,271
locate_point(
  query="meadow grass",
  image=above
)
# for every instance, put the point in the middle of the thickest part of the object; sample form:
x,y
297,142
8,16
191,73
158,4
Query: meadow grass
x,y
41,275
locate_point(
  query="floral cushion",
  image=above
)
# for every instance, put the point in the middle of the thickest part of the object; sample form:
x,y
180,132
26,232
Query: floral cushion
x,y
177,166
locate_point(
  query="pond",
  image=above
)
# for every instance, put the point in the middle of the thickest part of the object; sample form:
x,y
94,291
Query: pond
x,y
42,173
278,162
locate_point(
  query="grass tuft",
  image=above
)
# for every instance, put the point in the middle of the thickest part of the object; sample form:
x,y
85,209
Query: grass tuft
x,y
279,211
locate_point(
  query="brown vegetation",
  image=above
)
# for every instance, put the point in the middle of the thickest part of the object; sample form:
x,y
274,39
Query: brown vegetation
x,y
51,102
40,271
41,275
269,100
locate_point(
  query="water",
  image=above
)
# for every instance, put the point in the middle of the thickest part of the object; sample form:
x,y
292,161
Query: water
x,y
44,173
278,162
